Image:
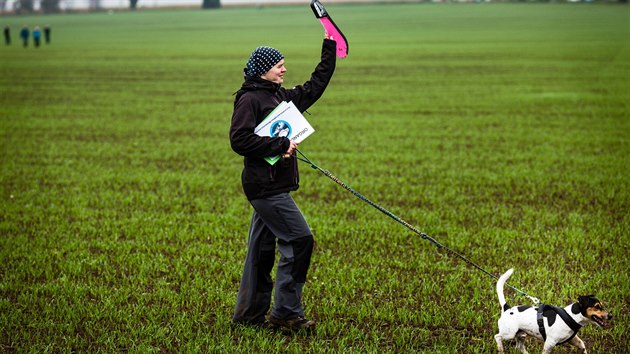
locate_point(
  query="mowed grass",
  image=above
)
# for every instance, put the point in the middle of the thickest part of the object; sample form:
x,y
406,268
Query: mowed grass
x,y
500,130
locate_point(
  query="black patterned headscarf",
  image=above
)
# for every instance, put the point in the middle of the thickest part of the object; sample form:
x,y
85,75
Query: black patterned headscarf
x,y
262,59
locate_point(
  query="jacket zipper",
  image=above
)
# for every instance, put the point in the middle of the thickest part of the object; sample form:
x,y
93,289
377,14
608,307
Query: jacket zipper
x,y
271,174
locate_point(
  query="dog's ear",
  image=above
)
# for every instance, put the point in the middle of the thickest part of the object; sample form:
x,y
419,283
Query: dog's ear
x,y
585,302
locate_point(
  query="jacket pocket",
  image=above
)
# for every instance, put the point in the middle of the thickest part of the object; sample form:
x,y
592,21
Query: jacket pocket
x,y
257,172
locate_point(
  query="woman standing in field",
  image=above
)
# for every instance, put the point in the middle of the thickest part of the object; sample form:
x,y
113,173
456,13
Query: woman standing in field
x,y
276,217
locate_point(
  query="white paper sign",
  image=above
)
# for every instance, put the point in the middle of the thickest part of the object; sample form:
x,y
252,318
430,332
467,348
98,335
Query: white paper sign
x,y
284,121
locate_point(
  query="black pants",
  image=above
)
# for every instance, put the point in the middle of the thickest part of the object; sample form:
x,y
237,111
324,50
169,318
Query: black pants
x,y
276,219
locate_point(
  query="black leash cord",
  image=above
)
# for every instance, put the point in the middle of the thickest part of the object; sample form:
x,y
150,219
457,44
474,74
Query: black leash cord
x,y
407,225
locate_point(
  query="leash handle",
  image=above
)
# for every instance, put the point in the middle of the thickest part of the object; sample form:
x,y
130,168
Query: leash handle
x,y
424,236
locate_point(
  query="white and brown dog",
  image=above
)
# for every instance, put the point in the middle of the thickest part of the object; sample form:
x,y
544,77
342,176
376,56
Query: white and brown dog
x,y
551,324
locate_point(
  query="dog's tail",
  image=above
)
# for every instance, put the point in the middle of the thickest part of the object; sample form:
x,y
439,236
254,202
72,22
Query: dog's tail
x,y
500,284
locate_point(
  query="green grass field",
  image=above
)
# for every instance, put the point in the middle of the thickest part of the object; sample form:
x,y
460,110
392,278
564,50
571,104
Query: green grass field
x,y
500,130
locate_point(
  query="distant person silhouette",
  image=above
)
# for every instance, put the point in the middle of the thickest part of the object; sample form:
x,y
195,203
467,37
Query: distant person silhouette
x,y
24,33
37,35
7,35
47,33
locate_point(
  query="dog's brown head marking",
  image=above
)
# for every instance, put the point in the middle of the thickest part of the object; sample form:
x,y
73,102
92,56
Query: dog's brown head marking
x,y
594,310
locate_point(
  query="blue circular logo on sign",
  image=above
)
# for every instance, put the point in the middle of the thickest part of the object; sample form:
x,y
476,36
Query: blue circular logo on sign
x,y
280,129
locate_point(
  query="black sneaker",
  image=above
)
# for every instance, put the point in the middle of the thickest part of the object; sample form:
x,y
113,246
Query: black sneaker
x,y
294,324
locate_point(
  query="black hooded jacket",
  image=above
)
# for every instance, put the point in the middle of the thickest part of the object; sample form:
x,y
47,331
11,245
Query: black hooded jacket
x,y
254,101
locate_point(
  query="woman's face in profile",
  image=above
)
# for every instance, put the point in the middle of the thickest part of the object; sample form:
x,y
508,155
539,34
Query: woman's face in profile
x,y
276,73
